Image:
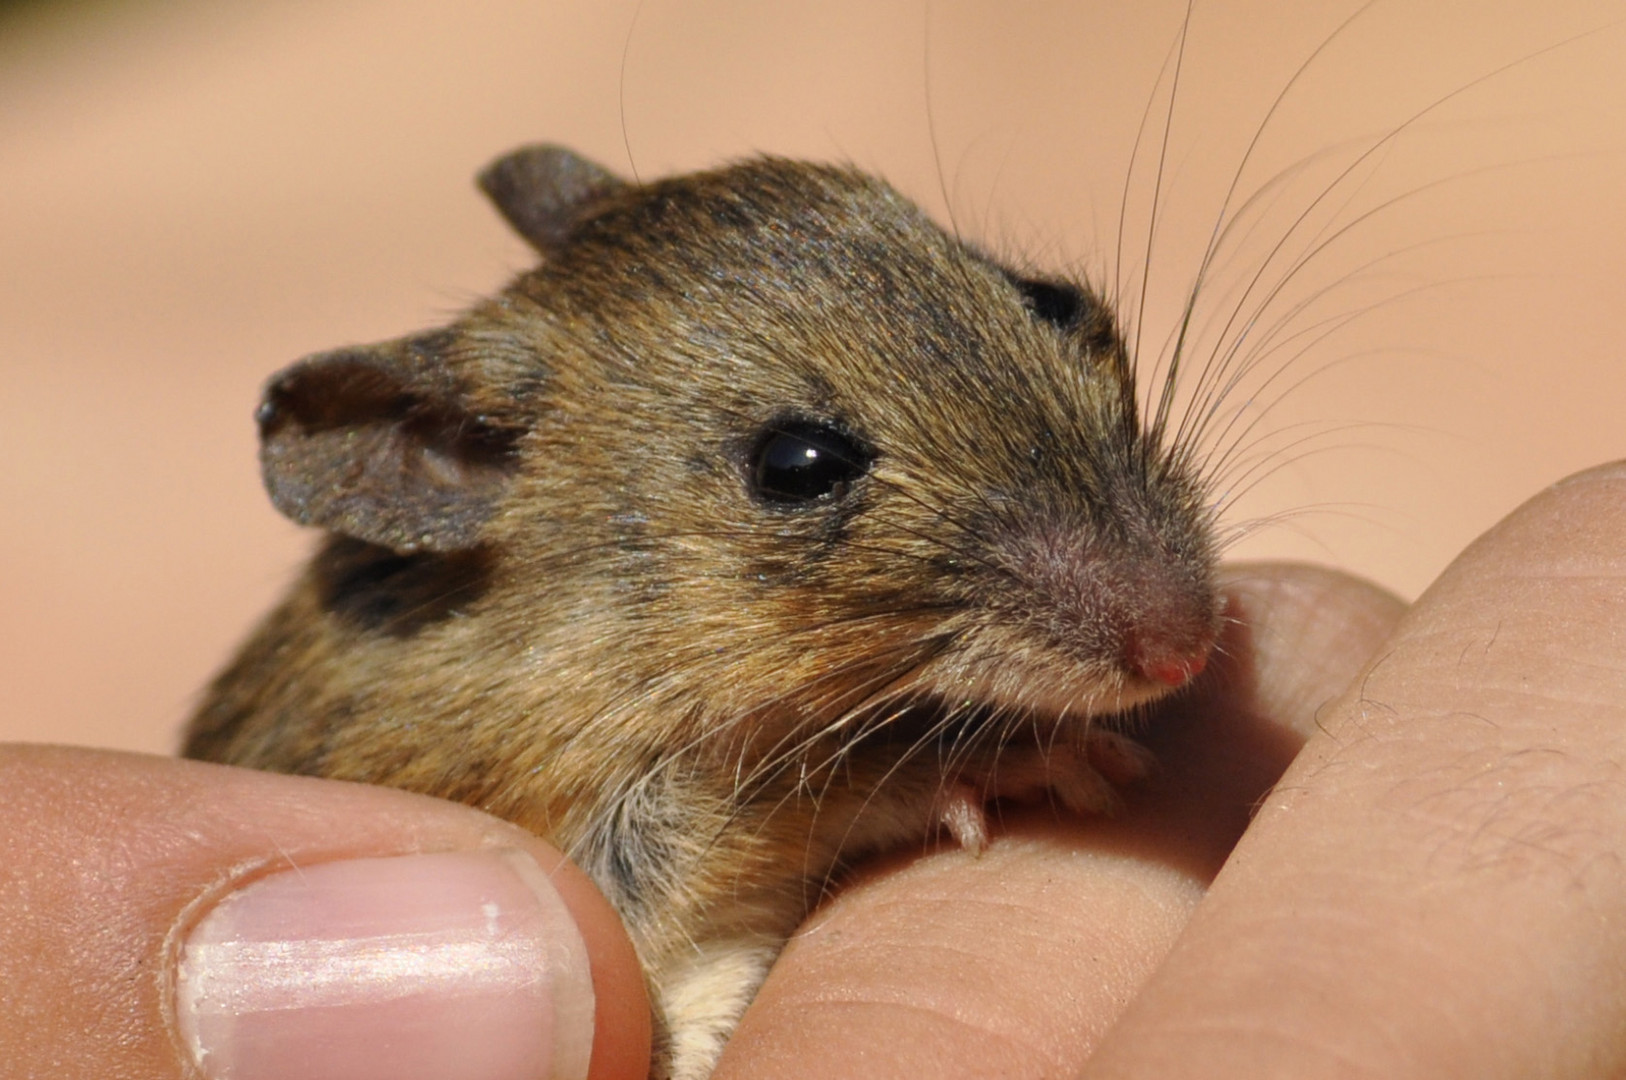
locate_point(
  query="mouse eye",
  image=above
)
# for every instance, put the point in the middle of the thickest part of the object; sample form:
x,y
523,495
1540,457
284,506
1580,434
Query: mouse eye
x,y
802,461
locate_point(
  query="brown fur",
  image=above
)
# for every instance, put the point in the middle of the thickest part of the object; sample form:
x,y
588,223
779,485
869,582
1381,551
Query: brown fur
x,y
550,590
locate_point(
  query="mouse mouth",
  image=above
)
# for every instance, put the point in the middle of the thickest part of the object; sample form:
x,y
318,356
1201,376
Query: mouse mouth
x,y
1042,699
958,710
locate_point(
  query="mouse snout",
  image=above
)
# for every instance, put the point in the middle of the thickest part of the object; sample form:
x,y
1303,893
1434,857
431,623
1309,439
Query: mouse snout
x,y
1159,657
1164,625
1143,609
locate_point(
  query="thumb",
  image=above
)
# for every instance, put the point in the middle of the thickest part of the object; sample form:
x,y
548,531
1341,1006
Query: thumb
x,y
163,918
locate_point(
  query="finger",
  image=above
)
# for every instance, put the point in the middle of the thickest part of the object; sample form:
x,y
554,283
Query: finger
x,y
1014,963
1436,887
1296,637
153,911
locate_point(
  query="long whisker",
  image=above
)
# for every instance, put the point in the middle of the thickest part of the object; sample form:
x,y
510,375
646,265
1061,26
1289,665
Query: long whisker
x,y
1157,181
1376,146
1228,353
1224,221
1129,176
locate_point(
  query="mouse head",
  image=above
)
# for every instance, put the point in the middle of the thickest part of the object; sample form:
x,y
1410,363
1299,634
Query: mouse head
x,y
767,439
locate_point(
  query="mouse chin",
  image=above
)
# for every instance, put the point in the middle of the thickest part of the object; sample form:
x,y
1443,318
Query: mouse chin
x,y
1041,699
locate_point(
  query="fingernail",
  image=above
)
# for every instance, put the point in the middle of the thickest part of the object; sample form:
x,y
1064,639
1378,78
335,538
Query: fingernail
x,y
455,966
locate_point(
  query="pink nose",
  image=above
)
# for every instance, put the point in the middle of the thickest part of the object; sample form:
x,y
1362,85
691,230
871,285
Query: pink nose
x,y
1175,670
1162,662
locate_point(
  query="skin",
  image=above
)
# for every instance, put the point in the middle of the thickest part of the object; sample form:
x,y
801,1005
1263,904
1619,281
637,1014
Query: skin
x,y
1432,889
149,835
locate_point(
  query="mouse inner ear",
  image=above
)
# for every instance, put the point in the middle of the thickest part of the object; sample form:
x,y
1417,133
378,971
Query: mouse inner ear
x,y
543,191
1074,310
375,443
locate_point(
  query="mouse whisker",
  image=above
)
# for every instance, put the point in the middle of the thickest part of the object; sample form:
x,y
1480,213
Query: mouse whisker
x,y
1237,333
801,697
1231,360
874,693
1225,220
880,784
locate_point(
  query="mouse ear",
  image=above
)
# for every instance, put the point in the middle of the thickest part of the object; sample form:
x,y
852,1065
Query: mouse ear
x,y
377,443
542,191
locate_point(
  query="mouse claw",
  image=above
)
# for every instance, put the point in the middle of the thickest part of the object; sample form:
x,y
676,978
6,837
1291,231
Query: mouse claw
x,y
1081,774
1074,781
963,814
1117,757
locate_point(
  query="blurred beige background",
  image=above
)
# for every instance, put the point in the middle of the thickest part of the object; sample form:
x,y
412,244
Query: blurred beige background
x,y
194,194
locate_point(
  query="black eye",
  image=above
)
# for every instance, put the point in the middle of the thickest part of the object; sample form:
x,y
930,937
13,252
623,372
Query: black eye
x,y
801,461
1062,306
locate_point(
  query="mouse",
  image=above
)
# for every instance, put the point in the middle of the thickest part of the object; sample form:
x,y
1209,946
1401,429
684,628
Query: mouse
x,y
763,525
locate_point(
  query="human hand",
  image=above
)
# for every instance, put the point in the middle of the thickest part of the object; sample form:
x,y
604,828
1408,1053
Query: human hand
x,y
113,859
1433,888
1430,890
120,868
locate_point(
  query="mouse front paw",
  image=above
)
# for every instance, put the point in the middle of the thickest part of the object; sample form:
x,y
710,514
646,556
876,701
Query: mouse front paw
x,y
1082,776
